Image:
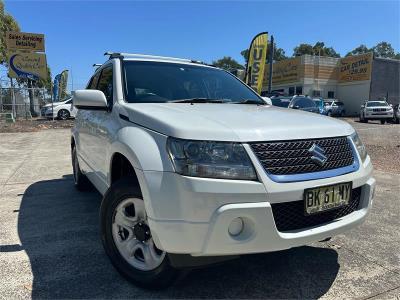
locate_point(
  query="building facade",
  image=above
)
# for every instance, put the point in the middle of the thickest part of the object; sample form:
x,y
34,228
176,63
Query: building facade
x,y
352,80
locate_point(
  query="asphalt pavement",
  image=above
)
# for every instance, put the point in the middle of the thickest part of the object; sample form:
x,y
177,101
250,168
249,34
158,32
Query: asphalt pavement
x,y
50,243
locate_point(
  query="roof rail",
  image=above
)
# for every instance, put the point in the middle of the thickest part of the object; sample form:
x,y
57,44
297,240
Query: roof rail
x,y
116,54
97,65
138,55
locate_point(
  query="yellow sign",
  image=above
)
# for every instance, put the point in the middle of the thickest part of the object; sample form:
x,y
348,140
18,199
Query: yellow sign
x,y
25,41
285,71
355,68
256,64
27,65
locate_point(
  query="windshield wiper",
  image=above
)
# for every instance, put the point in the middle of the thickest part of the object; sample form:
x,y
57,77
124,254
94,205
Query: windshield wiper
x,y
250,101
199,100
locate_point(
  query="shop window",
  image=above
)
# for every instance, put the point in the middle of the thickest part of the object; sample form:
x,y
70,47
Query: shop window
x,y
291,91
331,94
299,90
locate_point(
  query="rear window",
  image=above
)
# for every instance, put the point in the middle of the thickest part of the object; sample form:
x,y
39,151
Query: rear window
x,y
303,102
281,102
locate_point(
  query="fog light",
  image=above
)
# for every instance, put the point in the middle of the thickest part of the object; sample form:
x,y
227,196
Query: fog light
x,y
236,227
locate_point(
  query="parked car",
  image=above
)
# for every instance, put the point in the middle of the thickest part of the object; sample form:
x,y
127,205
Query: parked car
x,y
396,114
319,102
376,110
281,101
334,107
304,103
195,168
62,110
267,100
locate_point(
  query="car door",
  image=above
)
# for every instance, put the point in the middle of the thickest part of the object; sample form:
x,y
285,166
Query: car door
x,y
104,124
85,126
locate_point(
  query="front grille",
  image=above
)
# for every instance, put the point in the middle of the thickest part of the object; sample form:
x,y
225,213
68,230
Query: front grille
x,y
291,216
378,109
293,157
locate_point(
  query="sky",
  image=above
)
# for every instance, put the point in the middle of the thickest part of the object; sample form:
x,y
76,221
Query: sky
x,y
77,33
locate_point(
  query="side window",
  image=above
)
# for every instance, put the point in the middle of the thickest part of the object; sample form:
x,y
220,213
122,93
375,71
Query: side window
x,y
106,84
93,81
68,102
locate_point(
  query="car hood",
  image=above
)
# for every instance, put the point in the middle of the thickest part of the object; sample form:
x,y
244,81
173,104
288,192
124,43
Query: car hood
x,y
233,122
54,104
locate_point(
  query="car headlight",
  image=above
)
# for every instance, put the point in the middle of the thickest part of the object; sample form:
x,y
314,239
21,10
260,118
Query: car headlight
x,y
210,159
359,146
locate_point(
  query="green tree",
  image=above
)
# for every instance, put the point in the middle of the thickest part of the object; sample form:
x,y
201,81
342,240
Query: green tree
x,y
318,49
303,49
227,63
279,53
359,50
7,23
384,49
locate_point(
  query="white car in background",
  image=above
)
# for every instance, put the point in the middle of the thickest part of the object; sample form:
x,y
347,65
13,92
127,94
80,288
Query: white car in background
x,y
376,110
61,110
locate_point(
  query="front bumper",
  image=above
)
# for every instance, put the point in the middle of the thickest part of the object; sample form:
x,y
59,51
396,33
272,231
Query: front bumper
x,y
379,115
192,215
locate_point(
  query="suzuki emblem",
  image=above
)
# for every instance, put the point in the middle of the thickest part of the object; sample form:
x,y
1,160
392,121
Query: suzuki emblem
x,y
318,155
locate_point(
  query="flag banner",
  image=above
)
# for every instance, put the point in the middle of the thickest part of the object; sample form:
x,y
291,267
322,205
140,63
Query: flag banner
x,y
56,89
256,61
63,84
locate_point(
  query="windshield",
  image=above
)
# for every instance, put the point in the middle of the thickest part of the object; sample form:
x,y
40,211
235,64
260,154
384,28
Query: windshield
x,y
149,82
281,102
376,103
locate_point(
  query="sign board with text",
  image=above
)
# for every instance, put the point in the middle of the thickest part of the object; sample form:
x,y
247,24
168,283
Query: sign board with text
x,y
285,71
25,41
355,68
28,65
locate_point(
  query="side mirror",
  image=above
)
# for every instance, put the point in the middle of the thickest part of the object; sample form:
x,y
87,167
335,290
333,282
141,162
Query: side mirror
x,y
90,99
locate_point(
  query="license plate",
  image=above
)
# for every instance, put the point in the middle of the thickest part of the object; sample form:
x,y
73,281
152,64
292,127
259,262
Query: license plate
x,y
325,198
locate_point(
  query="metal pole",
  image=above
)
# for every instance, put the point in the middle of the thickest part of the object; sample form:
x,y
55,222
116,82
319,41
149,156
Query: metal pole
x,y
14,113
271,60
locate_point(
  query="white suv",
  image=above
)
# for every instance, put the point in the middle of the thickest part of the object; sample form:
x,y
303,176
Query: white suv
x,y
196,168
376,110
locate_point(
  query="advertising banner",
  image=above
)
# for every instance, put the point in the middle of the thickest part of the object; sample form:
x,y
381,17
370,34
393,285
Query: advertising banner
x,y
256,62
355,68
285,71
27,65
25,41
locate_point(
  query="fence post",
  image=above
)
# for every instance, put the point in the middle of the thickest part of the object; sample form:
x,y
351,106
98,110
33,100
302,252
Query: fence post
x,y
14,113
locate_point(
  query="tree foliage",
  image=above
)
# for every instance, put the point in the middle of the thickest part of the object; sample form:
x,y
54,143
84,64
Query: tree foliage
x,y
359,50
279,53
7,23
227,63
382,49
318,49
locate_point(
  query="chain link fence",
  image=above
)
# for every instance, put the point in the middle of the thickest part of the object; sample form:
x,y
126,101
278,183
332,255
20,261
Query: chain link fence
x,y
22,102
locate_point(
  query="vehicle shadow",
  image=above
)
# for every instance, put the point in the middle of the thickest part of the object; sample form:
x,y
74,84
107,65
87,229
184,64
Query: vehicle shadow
x,y
59,231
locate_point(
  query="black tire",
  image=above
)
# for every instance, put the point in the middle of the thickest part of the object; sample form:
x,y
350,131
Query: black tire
x,y
161,277
63,114
329,114
383,122
80,180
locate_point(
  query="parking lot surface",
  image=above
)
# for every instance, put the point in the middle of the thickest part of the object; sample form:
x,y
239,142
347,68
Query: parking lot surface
x,y
50,243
